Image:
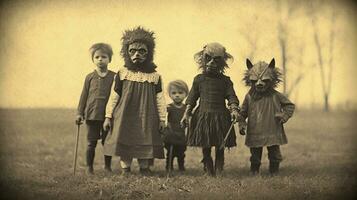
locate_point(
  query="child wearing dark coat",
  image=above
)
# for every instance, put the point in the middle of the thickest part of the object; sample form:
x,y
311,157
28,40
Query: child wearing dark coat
x,y
266,110
174,138
93,100
211,120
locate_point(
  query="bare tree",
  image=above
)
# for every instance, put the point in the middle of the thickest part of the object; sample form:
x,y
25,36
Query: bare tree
x,y
326,76
283,37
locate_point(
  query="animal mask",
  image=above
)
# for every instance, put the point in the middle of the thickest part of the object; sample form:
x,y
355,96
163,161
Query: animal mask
x,y
262,76
138,50
212,59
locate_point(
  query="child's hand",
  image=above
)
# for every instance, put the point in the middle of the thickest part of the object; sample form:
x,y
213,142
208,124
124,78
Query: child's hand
x,y
162,126
281,117
79,119
234,116
184,121
242,128
107,125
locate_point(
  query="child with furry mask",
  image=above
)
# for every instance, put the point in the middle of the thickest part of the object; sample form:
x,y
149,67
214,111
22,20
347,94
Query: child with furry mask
x,y
136,111
211,120
266,110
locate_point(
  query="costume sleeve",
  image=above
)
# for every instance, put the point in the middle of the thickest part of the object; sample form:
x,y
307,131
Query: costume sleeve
x,y
113,98
194,93
84,96
287,106
244,110
161,103
231,96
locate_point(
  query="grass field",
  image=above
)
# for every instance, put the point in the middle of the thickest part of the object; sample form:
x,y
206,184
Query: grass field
x,y
37,152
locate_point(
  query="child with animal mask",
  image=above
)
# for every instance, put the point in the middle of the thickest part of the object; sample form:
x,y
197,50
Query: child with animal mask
x,y
266,110
211,121
136,111
94,97
174,138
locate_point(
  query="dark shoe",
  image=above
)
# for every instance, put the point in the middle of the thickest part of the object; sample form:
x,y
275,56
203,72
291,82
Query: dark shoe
x,y
254,169
181,164
108,169
169,166
145,171
90,170
274,168
209,167
219,166
108,163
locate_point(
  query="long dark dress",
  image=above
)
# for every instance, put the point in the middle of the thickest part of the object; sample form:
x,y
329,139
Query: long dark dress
x,y
135,131
211,120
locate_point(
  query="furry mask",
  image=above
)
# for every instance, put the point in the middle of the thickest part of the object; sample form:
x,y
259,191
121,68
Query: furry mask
x,y
262,77
212,59
138,50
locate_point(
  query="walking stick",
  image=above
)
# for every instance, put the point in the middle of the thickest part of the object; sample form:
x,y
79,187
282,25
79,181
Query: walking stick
x,y
76,150
225,139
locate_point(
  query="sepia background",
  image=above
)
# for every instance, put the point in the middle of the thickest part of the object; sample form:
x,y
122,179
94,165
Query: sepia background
x,y
44,59
44,44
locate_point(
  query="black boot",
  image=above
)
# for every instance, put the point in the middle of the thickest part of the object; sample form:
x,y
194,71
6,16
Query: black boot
x,y
90,156
210,168
181,163
107,163
219,162
254,168
169,164
274,168
208,162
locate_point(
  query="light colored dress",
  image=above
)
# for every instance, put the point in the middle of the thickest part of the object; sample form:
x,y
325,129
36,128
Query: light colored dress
x,y
136,107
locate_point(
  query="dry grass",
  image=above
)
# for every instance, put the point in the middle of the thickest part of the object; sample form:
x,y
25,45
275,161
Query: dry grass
x,y
37,151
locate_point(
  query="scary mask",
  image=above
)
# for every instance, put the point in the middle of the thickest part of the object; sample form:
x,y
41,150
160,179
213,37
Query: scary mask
x,y
212,59
262,76
138,47
138,52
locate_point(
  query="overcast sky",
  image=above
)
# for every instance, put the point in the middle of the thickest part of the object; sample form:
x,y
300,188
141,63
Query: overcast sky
x,y
44,44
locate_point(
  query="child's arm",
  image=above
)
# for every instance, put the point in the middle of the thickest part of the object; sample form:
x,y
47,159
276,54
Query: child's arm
x,y
112,103
233,102
83,100
287,108
191,101
243,114
161,105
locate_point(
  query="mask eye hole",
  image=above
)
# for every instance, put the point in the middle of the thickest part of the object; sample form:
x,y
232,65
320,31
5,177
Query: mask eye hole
x,y
208,57
132,51
142,51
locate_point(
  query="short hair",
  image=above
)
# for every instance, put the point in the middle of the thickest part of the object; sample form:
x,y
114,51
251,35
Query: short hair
x,y
179,84
103,47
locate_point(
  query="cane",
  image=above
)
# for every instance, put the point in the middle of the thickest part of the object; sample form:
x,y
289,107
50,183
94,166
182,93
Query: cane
x,y
76,150
225,139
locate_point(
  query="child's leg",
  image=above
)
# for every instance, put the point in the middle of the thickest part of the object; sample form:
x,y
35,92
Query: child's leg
x,y
169,165
207,160
107,159
219,162
90,155
255,159
93,134
275,158
144,166
180,149
107,163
